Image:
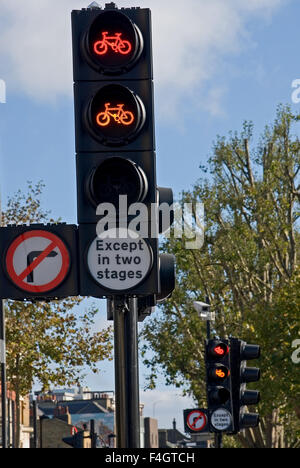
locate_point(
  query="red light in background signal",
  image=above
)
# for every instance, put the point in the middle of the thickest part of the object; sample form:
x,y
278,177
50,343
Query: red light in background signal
x,y
221,351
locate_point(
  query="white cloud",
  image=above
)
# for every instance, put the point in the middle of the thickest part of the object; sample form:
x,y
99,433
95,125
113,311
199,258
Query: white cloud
x,y
35,43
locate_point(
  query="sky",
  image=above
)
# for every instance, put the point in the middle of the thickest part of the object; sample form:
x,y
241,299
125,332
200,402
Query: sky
x,y
216,64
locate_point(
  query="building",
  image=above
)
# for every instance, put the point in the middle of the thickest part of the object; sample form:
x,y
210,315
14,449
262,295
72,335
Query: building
x,y
25,428
172,438
79,409
151,433
60,412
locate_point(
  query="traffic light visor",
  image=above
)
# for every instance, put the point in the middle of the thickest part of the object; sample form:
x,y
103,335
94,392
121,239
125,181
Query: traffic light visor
x,y
113,43
218,349
219,373
115,115
115,177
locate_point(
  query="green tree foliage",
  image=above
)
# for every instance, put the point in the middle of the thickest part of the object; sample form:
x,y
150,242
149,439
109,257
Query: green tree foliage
x,y
48,343
249,270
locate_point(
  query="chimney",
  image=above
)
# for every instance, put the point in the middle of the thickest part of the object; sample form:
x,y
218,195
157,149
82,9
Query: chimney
x,y
174,424
62,413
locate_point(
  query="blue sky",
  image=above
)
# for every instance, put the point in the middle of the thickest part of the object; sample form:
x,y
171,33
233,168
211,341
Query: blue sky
x,y
217,64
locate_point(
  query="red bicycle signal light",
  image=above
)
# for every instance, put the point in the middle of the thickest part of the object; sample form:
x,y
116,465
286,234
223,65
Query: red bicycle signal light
x,y
113,43
221,350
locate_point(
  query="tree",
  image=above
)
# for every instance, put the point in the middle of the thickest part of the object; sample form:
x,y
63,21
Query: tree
x,y
248,268
48,342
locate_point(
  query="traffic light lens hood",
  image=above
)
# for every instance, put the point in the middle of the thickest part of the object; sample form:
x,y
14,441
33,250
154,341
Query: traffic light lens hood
x,y
250,397
115,115
250,374
219,395
113,44
250,352
248,420
218,350
218,372
115,177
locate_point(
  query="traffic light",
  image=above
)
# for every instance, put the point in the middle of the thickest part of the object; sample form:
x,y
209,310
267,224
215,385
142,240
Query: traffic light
x,y
115,146
241,352
218,381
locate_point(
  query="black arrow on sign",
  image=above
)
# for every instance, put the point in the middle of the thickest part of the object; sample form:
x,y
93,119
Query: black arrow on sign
x,y
31,256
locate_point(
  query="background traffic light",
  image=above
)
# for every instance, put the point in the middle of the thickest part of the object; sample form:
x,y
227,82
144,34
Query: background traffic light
x,y
218,381
241,352
115,142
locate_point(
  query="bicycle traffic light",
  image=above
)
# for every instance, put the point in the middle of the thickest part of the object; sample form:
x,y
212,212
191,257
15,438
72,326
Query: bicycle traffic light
x,y
218,383
241,352
115,146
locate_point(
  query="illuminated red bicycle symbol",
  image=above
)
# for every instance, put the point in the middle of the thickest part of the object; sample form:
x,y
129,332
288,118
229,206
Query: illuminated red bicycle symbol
x,y
117,113
117,44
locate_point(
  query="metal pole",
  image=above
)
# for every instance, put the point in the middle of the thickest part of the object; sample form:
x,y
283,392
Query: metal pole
x,y
119,310
3,374
8,422
93,434
208,328
218,436
13,424
132,374
219,440
35,434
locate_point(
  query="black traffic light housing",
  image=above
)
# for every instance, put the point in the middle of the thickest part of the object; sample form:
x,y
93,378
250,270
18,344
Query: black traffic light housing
x,y
102,179
241,352
218,385
134,25
115,138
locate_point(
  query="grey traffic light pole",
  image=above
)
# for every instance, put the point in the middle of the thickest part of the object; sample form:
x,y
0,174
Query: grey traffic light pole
x,y
119,310
132,370
3,362
204,312
126,372
3,375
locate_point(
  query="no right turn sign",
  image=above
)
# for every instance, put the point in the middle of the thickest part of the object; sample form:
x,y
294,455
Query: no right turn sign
x,y
195,421
38,261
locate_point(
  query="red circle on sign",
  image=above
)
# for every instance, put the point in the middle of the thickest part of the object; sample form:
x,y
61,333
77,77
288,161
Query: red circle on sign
x,y
55,242
198,415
